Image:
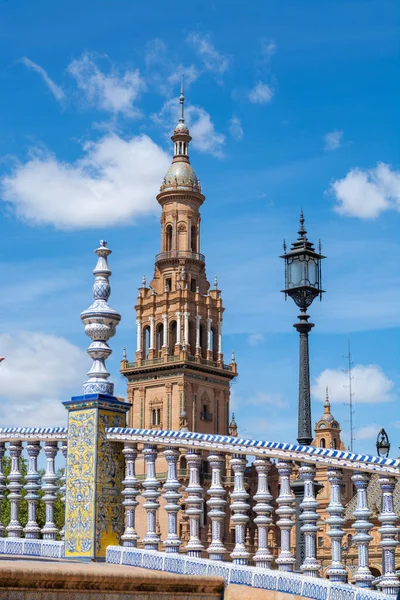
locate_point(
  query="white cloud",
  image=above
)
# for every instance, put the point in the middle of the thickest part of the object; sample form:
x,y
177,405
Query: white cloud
x,y
268,49
367,433
53,370
333,140
262,93
255,338
370,385
57,92
235,128
190,74
205,138
367,193
113,92
114,182
262,399
212,60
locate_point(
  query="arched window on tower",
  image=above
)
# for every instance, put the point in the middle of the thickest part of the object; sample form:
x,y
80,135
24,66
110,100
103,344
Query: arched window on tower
x,y
322,443
146,341
214,343
203,340
168,238
193,238
172,337
192,335
159,338
334,444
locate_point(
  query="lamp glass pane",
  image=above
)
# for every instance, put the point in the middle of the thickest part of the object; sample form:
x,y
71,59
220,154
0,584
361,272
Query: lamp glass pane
x,y
295,273
313,273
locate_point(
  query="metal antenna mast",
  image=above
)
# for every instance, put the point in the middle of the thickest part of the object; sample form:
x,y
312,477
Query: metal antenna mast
x,y
350,403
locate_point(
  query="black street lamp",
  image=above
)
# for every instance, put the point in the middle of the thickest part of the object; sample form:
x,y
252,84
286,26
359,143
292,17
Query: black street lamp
x,y
382,444
303,285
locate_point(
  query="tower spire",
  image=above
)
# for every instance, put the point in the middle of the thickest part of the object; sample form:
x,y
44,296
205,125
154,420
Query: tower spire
x,y
182,102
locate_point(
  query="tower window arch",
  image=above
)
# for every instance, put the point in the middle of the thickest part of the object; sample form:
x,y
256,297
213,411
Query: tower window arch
x,y
168,238
334,444
172,337
146,340
322,443
159,337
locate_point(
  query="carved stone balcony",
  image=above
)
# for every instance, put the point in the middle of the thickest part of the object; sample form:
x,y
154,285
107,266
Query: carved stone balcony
x,y
175,255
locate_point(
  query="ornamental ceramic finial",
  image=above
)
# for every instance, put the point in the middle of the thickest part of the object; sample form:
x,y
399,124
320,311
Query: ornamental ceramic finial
x,y
100,321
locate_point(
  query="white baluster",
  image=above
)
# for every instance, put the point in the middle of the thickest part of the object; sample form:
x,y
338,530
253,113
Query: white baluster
x,y
151,493
32,529
63,488
130,491
337,571
263,509
389,584
194,504
50,530
309,518
363,576
14,528
216,504
3,486
239,508
172,496
285,560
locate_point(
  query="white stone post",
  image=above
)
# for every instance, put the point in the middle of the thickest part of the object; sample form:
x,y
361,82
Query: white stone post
x,y
50,530
130,491
151,341
198,345
194,504
178,327
239,508
263,557
138,335
219,339
165,332
63,488
285,560
185,329
216,504
389,584
309,518
337,571
3,486
363,576
172,496
151,494
209,321
14,528
32,529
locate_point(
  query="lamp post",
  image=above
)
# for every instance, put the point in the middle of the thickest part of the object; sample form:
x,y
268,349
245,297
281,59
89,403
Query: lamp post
x,y
382,444
303,285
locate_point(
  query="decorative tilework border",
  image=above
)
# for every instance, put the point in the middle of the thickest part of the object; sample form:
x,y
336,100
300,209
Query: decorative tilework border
x,y
266,579
26,547
258,447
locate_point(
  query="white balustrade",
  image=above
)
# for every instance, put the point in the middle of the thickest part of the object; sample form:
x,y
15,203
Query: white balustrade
x,y
263,509
130,491
389,584
285,560
14,528
50,530
194,503
337,571
239,509
63,488
32,529
216,504
363,576
3,486
172,496
309,518
151,494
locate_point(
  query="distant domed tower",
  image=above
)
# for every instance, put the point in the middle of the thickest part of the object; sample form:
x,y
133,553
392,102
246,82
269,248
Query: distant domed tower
x,y
327,429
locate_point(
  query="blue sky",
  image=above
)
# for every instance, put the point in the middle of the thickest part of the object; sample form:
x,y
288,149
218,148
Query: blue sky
x,y
290,104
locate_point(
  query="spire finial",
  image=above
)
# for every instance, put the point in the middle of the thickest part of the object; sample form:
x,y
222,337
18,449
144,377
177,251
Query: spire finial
x,y
233,356
124,353
144,281
215,282
182,102
327,404
302,232
100,321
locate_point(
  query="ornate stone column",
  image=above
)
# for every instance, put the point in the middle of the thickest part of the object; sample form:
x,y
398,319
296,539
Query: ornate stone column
x,y
389,584
285,560
165,332
309,518
178,328
63,488
337,571
263,509
185,329
14,528
3,486
172,496
194,504
151,493
208,321
198,346
151,341
216,504
220,340
239,508
363,576
50,530
130,491
32,529
138,335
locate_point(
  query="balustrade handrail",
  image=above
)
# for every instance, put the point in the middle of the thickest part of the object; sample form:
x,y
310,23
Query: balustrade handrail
x,y
56,434
180,254
279,450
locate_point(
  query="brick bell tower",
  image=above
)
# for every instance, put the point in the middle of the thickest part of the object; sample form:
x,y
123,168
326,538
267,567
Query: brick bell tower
x,y
178,379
